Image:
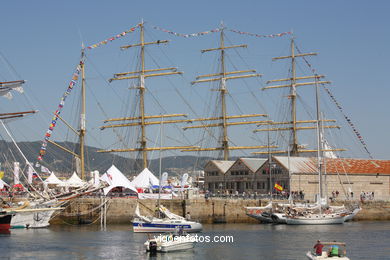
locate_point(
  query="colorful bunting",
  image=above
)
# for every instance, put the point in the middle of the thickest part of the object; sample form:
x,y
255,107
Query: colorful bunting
x,y
113,38
218,30
261,35
349,121
53,122
187,35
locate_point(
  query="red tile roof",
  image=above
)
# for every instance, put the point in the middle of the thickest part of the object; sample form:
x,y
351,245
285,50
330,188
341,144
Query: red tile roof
x,y
339,165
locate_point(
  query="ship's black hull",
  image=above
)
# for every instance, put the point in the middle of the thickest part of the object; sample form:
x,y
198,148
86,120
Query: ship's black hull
x,y
5,221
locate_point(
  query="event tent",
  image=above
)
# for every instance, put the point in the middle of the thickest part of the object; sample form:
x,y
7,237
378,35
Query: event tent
x,y
52,179
145,179
115,178
74,181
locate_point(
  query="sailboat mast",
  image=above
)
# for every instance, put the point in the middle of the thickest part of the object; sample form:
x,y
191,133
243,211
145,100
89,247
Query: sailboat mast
x,y
142,99
82,118
225,142
143,120
319,141
293,97
223,120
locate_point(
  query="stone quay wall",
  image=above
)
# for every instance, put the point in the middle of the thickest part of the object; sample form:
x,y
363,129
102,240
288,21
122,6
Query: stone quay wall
x,y
121,210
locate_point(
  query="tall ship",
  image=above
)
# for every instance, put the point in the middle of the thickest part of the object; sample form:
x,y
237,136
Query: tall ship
x,y
221,120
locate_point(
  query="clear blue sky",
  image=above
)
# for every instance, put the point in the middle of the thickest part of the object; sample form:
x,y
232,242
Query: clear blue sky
x,y
41,39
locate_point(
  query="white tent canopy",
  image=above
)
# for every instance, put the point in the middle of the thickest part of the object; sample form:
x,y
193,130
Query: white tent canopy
x,y
115,178
74,181
52,179
145,179
2,184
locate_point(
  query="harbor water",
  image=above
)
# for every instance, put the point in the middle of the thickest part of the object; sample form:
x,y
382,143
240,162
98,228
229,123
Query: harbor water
x,y
365,240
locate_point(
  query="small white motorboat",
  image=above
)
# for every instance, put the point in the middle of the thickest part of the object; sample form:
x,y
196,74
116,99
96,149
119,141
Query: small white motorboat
x,y
169,243
327,252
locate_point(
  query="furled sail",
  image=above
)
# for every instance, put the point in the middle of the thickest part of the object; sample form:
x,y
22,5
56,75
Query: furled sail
x,y
6,87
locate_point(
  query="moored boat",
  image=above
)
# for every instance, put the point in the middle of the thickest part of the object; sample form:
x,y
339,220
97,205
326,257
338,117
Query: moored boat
x,y
169,223
328,253
5,220
169,243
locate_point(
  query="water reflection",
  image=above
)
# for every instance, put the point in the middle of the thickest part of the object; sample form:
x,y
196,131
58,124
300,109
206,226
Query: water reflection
x,y
365,240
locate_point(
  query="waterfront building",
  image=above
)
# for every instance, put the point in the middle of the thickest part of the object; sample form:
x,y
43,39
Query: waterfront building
x,y
365,179
214,175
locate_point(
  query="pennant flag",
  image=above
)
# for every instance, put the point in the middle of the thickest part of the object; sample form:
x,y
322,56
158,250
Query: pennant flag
x,y
278,187
113,38
339,108
261,35
187,35
53,122
44,169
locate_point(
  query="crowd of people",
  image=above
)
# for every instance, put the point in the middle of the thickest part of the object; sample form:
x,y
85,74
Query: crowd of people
x,y
366,196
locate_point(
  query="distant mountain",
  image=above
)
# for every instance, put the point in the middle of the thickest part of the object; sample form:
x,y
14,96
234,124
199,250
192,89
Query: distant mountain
x,y
63,163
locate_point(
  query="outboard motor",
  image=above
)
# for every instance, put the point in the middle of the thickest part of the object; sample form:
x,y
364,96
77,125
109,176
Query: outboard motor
x,y
153,247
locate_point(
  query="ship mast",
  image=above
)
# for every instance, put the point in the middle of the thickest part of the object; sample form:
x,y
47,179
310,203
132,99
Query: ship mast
x,y
223,76
82,119
81,132
294,82
143,120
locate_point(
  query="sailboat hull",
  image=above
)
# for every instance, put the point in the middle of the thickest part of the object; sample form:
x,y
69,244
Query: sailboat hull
x,y
166,226
5,222
315,219
32,219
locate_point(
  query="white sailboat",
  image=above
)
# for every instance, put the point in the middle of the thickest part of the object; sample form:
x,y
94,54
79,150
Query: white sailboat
x,y
168,222
29,214
323,214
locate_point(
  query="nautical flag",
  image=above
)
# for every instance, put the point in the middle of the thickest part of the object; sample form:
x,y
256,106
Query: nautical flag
x,y
30,174
44,169
278,187
16,173
1,174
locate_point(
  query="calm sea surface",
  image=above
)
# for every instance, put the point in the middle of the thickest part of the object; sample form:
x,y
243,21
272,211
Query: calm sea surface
x,y
365,240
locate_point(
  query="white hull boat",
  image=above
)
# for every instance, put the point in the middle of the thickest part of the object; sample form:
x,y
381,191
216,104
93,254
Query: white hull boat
x,y
169,223
32,218
324,255
156,225
352,214
340,254
315,219
169,243
279,218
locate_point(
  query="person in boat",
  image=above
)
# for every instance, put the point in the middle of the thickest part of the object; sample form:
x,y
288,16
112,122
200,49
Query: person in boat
x,y
318,247
188,216
334,250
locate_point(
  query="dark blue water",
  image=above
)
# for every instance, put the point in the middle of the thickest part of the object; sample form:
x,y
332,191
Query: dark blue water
x,y
365,240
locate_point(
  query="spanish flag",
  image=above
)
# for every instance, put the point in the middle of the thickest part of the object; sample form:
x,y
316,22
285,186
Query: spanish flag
x,y
278,187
